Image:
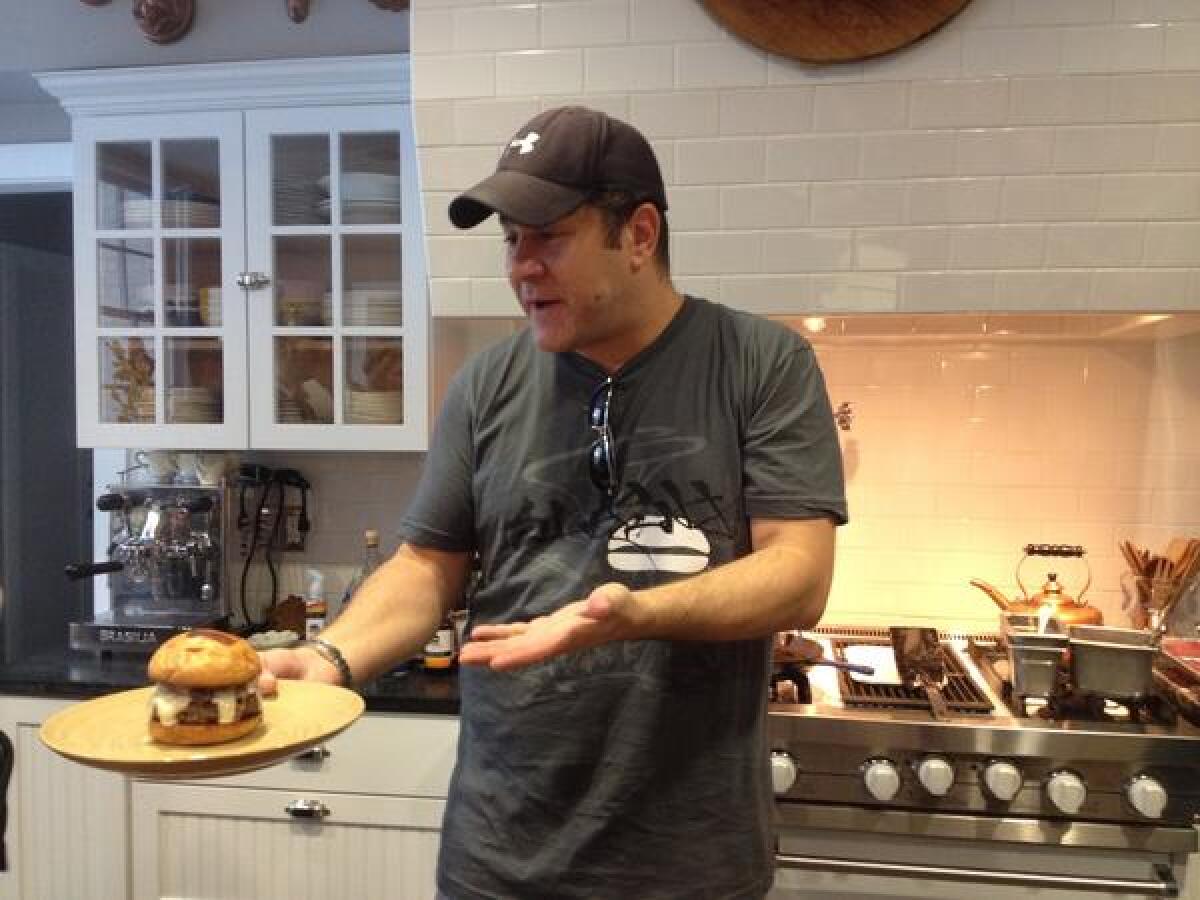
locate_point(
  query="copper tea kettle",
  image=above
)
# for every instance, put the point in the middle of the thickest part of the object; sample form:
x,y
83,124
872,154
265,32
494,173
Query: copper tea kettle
x,y
1067,610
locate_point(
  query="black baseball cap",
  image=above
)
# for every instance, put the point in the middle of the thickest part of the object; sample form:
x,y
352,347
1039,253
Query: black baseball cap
x,y
555,161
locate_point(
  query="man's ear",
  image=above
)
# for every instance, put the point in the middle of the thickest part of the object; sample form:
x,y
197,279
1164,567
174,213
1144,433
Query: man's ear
x,y
644,226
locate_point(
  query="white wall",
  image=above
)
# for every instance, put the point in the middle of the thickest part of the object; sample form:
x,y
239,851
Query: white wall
x,y
1030,154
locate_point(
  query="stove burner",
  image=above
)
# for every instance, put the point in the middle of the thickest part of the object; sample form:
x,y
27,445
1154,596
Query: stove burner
x,y
961,693
1068,705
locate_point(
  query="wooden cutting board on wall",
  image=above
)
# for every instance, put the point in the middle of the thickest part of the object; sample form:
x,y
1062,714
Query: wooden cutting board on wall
x,y
831,31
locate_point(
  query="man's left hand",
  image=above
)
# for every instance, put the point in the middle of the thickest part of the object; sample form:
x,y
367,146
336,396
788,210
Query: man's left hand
x,y
605,615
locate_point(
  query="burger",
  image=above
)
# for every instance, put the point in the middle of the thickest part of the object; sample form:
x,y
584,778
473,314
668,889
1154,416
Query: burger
x,y
206,688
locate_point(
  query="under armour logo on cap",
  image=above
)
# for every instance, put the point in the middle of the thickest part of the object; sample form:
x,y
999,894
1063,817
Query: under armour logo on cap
x,y
525,144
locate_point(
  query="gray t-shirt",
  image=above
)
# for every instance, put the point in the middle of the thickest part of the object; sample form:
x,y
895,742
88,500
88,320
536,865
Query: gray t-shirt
x,y
636,769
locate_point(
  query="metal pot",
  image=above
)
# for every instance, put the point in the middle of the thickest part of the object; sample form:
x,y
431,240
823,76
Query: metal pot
x,y
1117,663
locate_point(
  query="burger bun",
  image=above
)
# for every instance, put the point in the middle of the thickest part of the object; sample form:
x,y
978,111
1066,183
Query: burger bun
x,y
204,658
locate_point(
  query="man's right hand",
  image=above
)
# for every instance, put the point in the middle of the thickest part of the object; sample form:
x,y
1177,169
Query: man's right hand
x,y
300,663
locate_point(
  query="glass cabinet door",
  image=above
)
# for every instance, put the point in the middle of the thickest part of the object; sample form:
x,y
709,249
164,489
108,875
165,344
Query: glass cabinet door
x,y
159,227
342,313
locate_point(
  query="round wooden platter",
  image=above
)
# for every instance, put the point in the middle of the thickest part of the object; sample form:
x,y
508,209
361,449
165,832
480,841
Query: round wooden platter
x,y
110,733
829,31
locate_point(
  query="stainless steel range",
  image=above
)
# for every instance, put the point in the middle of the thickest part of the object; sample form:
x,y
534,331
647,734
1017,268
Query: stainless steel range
x,y
1042,798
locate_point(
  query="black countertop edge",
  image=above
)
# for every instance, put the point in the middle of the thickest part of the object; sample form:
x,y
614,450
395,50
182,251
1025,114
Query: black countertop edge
x,y
81,677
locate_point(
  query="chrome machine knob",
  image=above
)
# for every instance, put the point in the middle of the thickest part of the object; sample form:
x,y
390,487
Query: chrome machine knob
x,y
1003,780
783,772
881,778
936,775
1147,796
1066,791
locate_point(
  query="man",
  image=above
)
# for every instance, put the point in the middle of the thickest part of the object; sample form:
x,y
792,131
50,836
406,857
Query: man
x,y
650,483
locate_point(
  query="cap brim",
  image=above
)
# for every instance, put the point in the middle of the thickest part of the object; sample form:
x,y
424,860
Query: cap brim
x,y
524,199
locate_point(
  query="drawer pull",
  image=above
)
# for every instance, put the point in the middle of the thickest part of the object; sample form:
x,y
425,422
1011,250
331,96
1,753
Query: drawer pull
x,y
307,809
317,754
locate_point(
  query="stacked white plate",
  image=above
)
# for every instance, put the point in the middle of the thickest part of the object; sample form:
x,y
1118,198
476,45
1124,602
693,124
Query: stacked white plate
x,y
289,411
175,213
143,410
374,407
367,198
373,307
193,404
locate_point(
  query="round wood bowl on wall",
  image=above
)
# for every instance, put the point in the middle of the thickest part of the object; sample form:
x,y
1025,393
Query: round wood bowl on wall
x,y
829,31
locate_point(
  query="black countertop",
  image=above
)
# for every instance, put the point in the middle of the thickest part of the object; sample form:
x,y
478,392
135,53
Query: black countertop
x,y
81,675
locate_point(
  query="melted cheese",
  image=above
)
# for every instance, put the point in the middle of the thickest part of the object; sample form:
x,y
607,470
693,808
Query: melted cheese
x,y
168,702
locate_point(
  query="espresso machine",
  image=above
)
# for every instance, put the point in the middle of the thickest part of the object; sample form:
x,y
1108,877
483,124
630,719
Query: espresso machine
x,y
166,567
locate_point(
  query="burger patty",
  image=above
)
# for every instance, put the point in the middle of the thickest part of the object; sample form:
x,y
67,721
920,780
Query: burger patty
x,y
202,709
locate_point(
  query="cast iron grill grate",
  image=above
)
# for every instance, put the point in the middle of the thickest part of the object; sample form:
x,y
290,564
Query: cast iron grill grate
x,y
961,693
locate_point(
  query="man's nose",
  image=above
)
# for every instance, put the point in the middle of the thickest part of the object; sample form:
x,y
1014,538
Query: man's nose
x,y
524,262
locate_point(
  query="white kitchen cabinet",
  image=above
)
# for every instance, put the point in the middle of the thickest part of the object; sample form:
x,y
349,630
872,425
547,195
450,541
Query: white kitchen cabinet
x,y
67,831
249,264
360,820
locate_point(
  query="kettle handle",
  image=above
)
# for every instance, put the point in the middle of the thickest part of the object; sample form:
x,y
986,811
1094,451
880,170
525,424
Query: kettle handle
x,y
1061,551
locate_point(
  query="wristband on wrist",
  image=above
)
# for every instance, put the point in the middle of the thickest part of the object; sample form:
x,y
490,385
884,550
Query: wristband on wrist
x,y
333,656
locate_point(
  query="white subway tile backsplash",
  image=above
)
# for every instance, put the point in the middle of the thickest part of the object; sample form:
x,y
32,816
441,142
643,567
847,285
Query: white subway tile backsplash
x,y
934,201
667,21
860,107
453,168
961,103
896,154
446,76
718,66
695,208
1050,198
613,104
1178,147
997,246
1156,10
1113,48
1138,98
1038,289
504,27
807,250
815,158
450,297
1173,244
1182,47
866,292
1148,289
434,123
725,253
721,161
1003,151
1061,100
1103,244
433,29
764,293
764,206
640,68
784,72
858,202
938,55
1061,12
1140,196
772,112
532,72
676,114
492,121
1011,51
465,256
937,291
1104,148
585,24
901,248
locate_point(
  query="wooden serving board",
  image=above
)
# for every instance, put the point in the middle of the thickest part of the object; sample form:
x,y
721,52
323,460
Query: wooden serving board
x,y
110,732
828,31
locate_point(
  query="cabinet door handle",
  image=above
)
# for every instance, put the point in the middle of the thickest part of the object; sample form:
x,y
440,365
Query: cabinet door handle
x,y
252,281
307,809
317,754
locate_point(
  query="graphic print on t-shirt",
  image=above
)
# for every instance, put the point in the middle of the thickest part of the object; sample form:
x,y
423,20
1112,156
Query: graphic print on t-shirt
x,y
658,544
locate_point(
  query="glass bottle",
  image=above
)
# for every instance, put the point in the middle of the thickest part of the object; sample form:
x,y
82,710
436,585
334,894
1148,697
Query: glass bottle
x,y
371,561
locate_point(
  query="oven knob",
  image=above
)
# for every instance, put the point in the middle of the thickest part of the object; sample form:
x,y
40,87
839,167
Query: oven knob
x,y
1147,796
936,775
1066,791
1003,780
783,772
882,779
